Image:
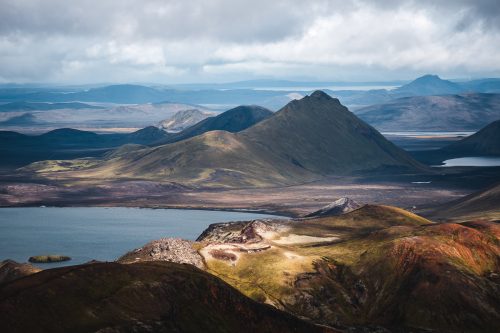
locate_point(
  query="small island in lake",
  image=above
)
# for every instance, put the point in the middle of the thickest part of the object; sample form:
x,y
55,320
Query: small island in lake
x,y
48,258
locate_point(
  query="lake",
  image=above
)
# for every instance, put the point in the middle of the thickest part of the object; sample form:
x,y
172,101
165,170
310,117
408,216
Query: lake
x,y
97,232
472,161
424,140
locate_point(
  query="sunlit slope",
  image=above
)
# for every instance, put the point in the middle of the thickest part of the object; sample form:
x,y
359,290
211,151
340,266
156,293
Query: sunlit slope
x,y
377,265
308,139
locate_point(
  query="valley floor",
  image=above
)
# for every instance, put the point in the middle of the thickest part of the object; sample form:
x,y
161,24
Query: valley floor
x,y
414,192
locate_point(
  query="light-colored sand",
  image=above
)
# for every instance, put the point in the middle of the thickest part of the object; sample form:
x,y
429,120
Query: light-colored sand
x,y
303,239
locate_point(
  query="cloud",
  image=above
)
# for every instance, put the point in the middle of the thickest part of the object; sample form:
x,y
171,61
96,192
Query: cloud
x,y
219,40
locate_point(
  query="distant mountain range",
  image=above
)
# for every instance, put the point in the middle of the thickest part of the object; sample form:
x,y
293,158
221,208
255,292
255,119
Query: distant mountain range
x,y
306,140
427,85
434,113
18,149
33,106
137,94
25,119
108,117
245,93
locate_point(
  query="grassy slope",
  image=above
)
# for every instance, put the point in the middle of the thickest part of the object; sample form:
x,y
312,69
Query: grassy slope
x,y
306,140
320,134
216,158
385,269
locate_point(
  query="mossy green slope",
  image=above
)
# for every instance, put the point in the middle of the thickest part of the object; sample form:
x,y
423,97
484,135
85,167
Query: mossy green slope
x,y
308,139
375,266
323,136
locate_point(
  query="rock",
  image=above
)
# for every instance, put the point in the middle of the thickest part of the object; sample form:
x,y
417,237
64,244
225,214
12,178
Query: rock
x,y
240,232
11,270
336,208
166,249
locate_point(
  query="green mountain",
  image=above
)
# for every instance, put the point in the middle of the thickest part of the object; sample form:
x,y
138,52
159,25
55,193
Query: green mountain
x,y
306,140
234,120
322,136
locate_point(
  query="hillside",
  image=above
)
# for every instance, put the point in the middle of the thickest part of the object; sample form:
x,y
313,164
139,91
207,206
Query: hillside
x,y
376,266
145,297
306,140
66,143
320,135
479,205
434,113
485,142
216,158
234,120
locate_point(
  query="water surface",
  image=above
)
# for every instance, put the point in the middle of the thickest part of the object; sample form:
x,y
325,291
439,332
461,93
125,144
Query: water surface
x,y
98,233
480,161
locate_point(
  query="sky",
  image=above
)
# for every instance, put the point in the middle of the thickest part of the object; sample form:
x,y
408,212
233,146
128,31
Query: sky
x,y
96,41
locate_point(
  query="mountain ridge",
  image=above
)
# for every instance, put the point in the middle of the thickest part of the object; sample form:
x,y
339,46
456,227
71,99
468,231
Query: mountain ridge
x,y
306,140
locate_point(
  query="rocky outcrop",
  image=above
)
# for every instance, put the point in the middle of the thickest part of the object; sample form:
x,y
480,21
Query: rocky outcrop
x,y
184,119
11,270
336,208
240,232
166,249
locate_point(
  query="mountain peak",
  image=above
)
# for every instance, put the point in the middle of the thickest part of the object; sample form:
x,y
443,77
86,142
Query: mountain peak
x,y
430,85
428,78
320,94
336,208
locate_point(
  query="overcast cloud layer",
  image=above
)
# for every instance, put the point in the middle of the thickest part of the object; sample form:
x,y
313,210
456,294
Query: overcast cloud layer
x,y
89,41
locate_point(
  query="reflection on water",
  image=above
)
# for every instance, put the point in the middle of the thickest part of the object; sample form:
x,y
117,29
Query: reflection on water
x,y
480,161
